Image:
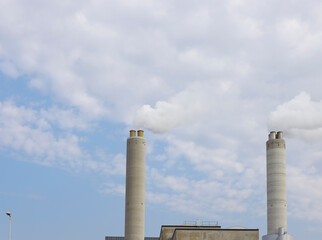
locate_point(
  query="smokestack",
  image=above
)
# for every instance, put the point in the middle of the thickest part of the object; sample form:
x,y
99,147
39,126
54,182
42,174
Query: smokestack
x,y
135,186
276,188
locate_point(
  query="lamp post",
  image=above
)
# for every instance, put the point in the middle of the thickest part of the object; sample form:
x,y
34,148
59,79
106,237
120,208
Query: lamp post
x,y
9,214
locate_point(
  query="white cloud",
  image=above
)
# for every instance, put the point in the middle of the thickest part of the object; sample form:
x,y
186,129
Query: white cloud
x,y
9,69
105,66
204,198
24,130
38,84
113,188
304,187
29,133
108,163
65,118
300,36
211,161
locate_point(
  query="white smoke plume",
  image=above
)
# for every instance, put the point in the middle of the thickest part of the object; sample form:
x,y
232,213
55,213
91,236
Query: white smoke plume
x,y
161,118
165,115
184,107
299,117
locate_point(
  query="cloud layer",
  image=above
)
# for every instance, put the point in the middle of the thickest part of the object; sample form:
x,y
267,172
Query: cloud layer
x,y
25,130
213,77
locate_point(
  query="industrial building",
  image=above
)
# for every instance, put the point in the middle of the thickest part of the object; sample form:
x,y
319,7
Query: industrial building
x,y
135,199
196,232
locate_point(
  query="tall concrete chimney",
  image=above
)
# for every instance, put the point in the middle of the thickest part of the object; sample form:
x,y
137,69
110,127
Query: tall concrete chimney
x,y
135,186
276,188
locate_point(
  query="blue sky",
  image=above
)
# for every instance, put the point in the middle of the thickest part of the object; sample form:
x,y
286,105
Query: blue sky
x,y
206,80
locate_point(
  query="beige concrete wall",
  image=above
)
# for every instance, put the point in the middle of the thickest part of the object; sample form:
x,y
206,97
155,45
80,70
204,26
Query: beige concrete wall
x,y
167,231
223,234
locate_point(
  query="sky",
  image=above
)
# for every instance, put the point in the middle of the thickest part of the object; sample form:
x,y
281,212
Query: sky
x,y
206,80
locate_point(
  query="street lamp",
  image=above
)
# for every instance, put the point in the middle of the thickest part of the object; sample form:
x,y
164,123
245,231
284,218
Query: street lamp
x,y
9,214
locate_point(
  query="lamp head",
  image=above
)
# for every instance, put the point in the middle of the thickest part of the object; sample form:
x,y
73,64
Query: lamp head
x,y
8,213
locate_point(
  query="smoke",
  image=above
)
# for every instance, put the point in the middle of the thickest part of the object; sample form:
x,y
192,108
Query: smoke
x,y
165,116
184,108
161,118
299,117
